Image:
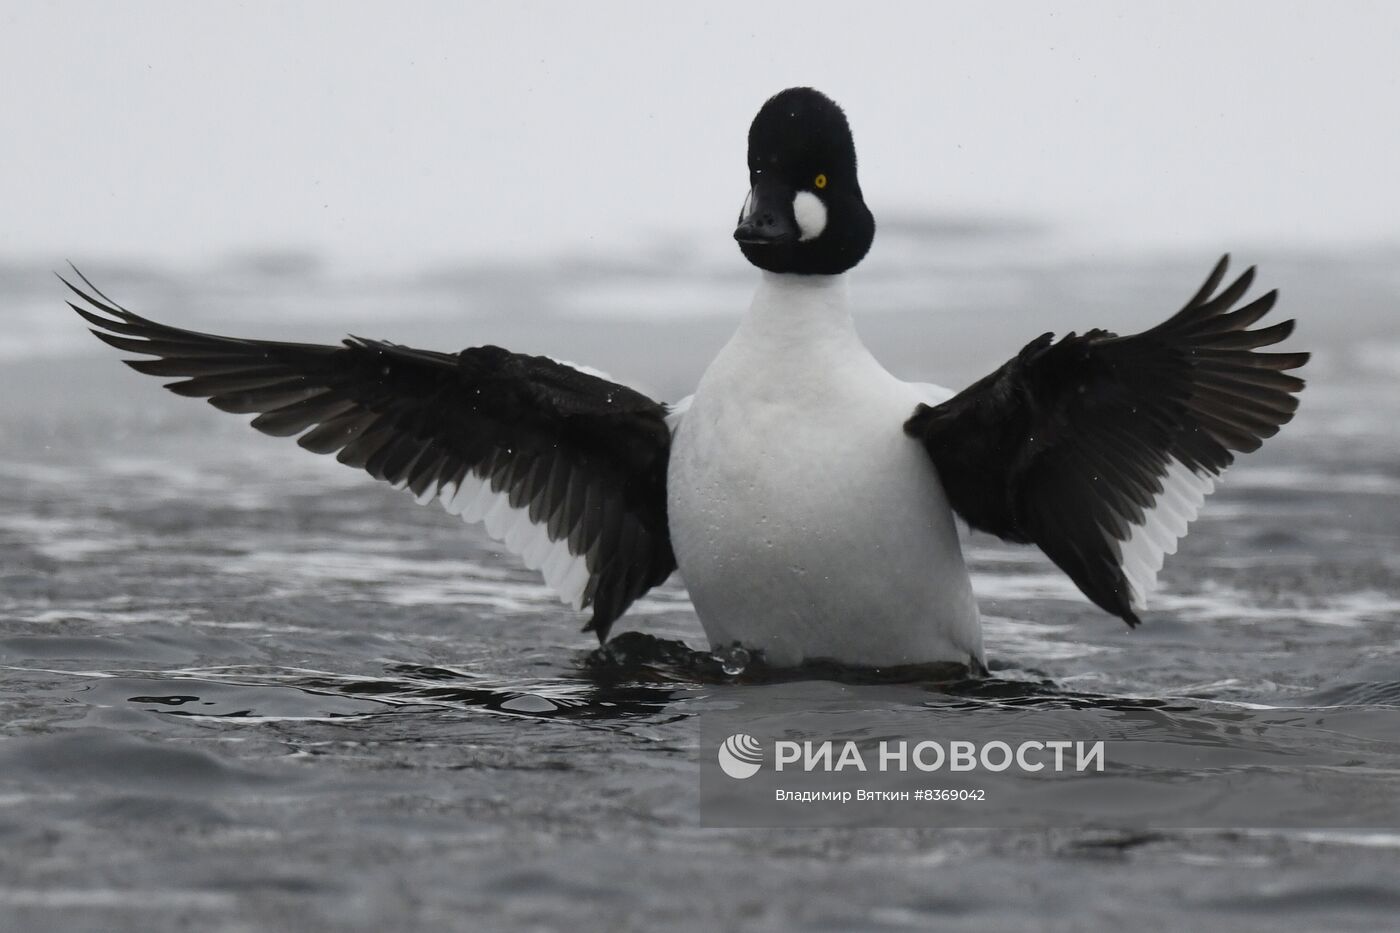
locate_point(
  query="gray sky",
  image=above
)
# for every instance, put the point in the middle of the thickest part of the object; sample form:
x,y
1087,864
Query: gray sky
x,y
401,134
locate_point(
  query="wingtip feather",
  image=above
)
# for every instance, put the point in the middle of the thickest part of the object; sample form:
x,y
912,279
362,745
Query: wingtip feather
x,y
95,290
1211,283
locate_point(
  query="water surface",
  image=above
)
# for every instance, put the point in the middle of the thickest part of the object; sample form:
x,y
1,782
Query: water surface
x,y
245,687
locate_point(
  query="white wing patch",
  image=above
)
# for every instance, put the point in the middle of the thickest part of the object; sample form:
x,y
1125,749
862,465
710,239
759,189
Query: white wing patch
x,y
1175,507
474,501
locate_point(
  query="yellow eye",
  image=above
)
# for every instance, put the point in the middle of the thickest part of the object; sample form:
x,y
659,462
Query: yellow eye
x,y
819,181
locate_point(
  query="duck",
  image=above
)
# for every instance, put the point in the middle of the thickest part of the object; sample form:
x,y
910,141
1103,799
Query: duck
x,y
807,498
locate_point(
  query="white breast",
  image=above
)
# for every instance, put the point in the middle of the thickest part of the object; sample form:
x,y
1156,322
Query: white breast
x,y
805,523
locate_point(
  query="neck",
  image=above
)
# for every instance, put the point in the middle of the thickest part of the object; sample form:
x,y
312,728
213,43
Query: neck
x,y
792,307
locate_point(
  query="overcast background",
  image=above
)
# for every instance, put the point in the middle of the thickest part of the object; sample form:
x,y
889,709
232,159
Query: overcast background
x,y
392,137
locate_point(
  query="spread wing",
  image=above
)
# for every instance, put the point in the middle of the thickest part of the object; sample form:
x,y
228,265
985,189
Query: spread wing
x,y
1101,449
566,469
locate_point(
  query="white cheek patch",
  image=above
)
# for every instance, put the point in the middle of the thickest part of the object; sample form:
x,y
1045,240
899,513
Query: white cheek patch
x,y
810,213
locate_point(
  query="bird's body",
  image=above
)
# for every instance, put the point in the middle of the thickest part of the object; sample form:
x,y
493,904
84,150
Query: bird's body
x,y
805,522
804,493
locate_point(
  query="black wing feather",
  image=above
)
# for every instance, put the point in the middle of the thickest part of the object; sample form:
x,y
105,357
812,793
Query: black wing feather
x,y
538,430
1067,444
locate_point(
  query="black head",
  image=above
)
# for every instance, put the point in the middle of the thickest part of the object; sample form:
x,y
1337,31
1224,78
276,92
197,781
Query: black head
x,y
804,212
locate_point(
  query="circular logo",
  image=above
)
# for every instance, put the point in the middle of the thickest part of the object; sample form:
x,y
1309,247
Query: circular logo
x,y
740,756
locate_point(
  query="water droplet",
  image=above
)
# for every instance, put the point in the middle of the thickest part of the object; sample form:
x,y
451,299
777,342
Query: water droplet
x,y
732,660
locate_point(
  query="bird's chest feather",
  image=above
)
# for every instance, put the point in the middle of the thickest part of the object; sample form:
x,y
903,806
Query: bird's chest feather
x,y
787,463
